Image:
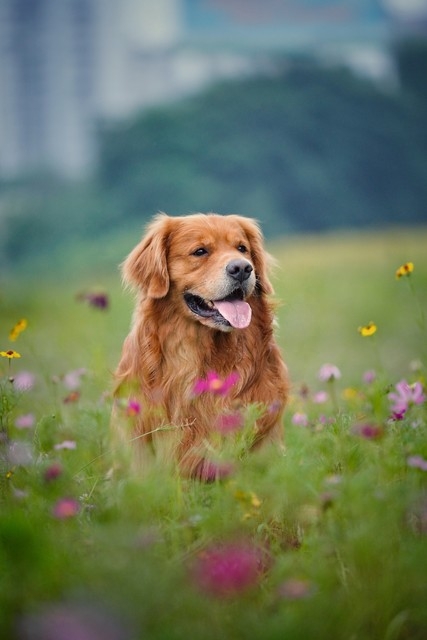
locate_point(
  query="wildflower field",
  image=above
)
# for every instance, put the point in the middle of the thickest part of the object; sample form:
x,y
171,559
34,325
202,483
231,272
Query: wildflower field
x,y
328,540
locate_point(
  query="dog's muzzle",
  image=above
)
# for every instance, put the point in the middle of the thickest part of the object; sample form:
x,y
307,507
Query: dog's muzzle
x,y
232,310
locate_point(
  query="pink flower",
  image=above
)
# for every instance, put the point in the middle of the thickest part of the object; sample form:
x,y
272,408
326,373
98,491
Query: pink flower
x,y
300,419
66,508
295,589
23,381
66,444
405,396
209,471
72,379
418,462
320,397
229,422
133,408
25,421
228,570
328,373
214,384
369,376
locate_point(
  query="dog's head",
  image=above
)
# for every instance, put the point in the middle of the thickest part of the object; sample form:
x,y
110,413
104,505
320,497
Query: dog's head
x,y
208,264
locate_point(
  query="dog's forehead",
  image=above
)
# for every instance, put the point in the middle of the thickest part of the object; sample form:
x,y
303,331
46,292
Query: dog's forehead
x,y
210,229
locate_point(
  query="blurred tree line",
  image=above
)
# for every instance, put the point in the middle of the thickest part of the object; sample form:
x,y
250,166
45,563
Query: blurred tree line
x,y
308,148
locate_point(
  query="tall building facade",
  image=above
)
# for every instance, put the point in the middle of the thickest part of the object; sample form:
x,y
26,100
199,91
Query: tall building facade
x,y
47,68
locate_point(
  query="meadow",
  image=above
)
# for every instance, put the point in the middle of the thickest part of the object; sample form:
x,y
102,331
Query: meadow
x,y
326,541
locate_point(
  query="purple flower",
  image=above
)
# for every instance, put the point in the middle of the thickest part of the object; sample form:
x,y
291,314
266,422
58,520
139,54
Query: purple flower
x,y
97,299
300,419
214,384
275,406
23,381
25,421
368,430
398,415
405,396
229,570
328,373
418,462
52,472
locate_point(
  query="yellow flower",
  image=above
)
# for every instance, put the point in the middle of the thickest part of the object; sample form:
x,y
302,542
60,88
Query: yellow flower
x,y
250,501
405,270
10,354
255,501
19,327
368,330
350,394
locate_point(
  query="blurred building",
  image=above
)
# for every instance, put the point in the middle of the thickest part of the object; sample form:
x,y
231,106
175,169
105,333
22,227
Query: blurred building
x,y
47,70
67,64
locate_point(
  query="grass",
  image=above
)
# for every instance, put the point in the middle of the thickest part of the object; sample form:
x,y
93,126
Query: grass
x,y
328,541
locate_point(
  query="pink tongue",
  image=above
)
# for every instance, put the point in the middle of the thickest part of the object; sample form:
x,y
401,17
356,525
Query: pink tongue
x,y
238,313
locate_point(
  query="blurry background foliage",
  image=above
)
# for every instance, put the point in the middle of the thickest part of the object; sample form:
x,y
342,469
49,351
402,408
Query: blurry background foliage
x,y
306,148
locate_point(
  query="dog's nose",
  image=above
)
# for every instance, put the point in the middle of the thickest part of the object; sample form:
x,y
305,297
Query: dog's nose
x,y
240,270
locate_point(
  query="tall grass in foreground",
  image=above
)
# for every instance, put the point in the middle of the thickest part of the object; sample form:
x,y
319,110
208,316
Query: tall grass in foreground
x,y
326,541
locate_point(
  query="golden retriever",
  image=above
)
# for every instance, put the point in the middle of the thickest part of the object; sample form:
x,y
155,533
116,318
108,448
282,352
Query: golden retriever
x,y
201,343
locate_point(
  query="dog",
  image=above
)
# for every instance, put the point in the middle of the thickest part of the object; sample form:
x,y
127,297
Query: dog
x,y
201,343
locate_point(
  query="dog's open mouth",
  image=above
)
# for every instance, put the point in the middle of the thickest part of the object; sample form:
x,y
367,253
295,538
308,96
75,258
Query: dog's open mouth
x,y
230,311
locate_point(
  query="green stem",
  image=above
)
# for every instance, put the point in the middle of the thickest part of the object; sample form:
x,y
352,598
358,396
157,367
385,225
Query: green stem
x,y
334,398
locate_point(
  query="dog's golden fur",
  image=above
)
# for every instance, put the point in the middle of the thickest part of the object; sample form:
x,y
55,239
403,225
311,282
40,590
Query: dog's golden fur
x,y
177,337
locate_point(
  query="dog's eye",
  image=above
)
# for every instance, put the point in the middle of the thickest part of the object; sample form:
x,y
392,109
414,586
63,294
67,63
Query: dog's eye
x,y
201,251
242,248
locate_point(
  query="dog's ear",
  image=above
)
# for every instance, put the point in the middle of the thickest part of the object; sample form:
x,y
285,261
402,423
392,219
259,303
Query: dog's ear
x,y
261,259
146,266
